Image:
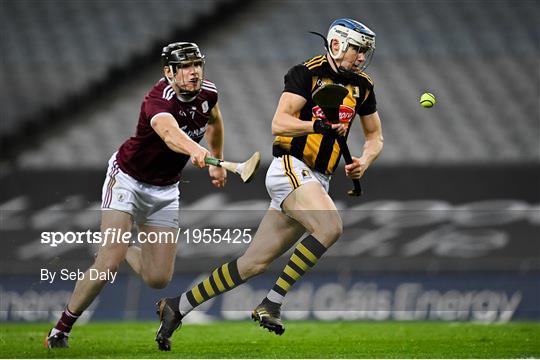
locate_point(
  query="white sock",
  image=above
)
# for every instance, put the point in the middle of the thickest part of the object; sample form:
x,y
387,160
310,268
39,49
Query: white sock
x,y
55,331
184,306
275,297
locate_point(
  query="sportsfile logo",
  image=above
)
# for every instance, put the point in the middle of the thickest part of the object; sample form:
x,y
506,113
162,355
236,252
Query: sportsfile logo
x,y
109,236
346,113
117,236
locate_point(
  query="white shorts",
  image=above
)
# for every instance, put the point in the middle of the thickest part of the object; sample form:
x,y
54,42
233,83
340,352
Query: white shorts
x,y
148,204
286,174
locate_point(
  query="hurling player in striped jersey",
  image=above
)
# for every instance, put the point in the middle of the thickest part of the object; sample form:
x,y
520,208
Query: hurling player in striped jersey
x,y
306,154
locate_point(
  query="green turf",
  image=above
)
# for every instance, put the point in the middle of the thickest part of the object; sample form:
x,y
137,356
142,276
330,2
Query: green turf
x,y
301,340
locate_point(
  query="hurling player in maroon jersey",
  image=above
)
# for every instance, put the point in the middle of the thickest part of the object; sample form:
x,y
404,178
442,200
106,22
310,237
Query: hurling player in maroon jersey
x,y
142,179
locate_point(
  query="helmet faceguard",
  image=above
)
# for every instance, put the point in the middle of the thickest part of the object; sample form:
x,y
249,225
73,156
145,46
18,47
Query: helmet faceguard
x,y
183,54
351,32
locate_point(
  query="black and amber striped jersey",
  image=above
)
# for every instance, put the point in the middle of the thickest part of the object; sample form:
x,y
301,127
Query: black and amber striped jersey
x,y
322,152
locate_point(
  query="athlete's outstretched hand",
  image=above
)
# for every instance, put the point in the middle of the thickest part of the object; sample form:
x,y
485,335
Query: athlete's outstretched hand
x,y
218,175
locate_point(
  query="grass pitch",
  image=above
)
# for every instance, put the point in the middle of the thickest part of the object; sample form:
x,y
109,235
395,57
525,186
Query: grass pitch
x,y
308,339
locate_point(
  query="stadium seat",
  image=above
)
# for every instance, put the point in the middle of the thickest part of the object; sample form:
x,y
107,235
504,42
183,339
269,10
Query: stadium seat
x,y
483,77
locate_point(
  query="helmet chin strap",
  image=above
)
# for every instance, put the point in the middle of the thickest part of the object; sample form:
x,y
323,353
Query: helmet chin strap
x,y
183,95
348,74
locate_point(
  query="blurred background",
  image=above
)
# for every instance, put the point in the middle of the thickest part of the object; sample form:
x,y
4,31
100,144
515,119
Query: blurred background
x,y
448,228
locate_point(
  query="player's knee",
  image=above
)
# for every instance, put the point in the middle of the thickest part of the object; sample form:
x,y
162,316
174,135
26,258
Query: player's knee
x,y
336,229
157,281
331,231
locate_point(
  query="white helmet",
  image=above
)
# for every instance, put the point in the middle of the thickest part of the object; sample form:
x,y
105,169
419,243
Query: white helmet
x,y
348,32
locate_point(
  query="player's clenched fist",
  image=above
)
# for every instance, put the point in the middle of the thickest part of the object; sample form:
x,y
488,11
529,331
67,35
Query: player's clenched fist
x,y
321,126
218,175
356,169
198,156
340,129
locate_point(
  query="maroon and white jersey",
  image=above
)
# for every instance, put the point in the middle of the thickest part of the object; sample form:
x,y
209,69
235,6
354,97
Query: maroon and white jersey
x,y
145,156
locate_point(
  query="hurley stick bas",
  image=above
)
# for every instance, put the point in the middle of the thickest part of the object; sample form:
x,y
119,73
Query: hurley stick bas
x,y
246,169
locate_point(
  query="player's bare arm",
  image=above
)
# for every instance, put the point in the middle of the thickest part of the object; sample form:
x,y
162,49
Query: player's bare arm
x,y
214,133
177,140
285,123
371,124
214,137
